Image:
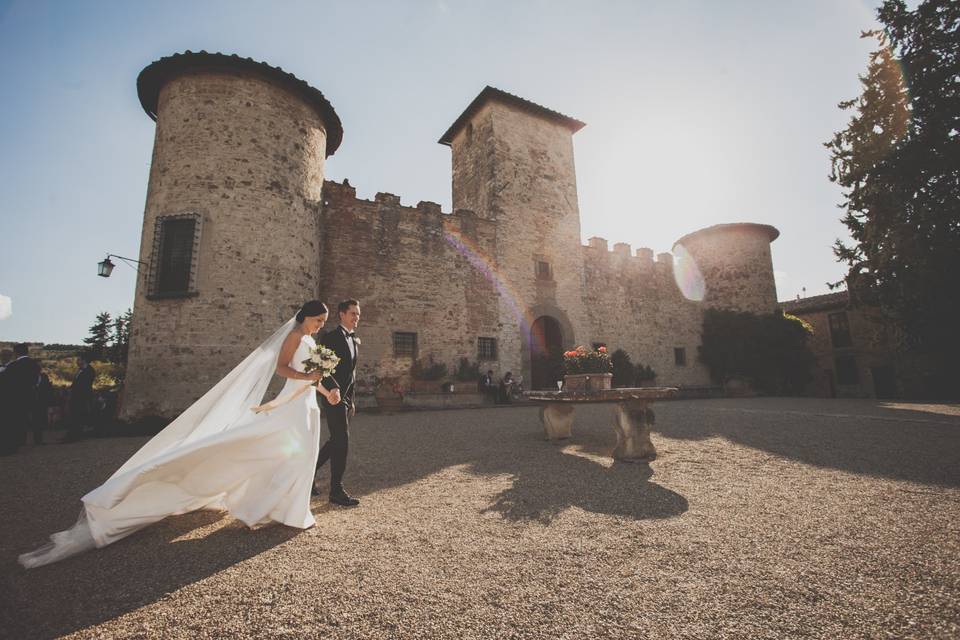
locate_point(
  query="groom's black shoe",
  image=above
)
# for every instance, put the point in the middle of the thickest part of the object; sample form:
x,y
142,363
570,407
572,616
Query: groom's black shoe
x,y
341,498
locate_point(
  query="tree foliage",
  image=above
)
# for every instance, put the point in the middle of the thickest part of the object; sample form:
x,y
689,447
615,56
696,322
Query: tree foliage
x,y
898,163
769,350
99,337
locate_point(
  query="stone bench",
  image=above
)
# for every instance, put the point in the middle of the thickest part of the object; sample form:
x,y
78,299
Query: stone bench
x,y
634,417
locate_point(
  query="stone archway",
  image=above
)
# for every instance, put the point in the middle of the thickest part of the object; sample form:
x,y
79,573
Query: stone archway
x,y
546,352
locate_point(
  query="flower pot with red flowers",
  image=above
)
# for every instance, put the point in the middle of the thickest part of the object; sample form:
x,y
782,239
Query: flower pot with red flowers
x,y
587,369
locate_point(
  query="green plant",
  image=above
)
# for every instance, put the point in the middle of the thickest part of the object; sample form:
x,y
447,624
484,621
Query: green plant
x,y
428,370
583,360
644,373
769,350
467,371
623,370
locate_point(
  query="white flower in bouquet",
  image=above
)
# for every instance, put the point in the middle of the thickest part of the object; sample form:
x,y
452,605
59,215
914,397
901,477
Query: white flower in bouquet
x,y
321,359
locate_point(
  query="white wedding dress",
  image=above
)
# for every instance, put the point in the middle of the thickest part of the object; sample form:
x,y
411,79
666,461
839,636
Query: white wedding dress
x,y
218,454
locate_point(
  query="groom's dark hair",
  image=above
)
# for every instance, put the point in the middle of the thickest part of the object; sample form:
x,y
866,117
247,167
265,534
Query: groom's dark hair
x,y
344,306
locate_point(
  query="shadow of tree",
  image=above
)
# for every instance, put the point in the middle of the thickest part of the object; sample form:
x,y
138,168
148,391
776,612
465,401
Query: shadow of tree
x,y
858,436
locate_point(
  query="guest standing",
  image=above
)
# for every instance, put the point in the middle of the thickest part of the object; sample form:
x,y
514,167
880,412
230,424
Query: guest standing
x,y
20,394
81,399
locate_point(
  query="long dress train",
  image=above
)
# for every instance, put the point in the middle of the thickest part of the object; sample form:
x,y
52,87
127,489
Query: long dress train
x,y
219,454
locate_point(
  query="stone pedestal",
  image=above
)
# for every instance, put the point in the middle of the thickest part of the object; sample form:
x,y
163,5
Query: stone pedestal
x,y
633,418
633,422
557,420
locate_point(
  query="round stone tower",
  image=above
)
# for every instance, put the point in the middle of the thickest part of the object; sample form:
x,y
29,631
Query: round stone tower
x,y
230,231
735,263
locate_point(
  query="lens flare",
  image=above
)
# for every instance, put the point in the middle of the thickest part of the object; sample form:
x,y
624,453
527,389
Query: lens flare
x,y
486,265
687,275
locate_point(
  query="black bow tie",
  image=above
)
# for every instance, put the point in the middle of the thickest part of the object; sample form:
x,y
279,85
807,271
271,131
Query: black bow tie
x,y
349,334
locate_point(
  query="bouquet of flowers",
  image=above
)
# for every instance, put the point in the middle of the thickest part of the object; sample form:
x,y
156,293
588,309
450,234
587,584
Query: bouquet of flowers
x,y
321,359
583,360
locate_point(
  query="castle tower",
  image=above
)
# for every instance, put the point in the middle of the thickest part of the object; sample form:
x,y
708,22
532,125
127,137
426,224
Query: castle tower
x,y
513,164
735,262
230,226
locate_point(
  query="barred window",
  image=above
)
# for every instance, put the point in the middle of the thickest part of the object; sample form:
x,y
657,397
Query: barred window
x,y
840,329
175,246
543,270
680,356
404,344
486,348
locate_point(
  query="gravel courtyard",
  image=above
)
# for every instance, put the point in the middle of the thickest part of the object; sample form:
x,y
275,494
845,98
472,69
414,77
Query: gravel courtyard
x,y
761,518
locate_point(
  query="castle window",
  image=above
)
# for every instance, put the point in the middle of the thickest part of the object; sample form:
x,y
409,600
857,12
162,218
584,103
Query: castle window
x,y
680,356
544,272
173,266
404,344
486,348
840,330
846,367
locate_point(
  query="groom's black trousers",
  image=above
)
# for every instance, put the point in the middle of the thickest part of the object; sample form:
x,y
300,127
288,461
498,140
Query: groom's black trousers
x,y
335,449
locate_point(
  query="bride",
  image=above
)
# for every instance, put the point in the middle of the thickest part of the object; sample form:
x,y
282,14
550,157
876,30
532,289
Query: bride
x,y
223,452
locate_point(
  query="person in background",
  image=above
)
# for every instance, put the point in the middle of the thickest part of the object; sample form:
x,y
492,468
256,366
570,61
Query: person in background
x,y
487,387
506,387
19,385
81,399
6,357
40,419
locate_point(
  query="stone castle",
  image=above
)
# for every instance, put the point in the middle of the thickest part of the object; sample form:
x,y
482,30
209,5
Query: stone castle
x,y
240,227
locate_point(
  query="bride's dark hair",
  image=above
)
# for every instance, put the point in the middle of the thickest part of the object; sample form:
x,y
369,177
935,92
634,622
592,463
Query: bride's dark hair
x,y
311,308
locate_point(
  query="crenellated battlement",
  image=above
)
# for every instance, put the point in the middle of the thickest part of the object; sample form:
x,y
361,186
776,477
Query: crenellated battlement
x,y
343,195
597,248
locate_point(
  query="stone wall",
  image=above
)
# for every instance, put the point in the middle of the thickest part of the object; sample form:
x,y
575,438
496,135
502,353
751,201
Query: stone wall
x,y
414,269
634,304
248,157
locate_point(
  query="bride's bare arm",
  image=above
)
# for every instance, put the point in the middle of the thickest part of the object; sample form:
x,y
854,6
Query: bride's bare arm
x,y
284,369
286,354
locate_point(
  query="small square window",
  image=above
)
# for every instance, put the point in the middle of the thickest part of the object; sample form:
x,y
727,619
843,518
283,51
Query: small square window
x,y
404,344
680,356
486,348
544,272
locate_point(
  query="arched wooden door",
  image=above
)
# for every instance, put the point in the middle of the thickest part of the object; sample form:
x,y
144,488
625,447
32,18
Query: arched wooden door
x,y
546,353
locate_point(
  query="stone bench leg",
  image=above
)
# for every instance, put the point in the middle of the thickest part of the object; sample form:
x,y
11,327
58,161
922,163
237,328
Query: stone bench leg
x,y
634,420
557,420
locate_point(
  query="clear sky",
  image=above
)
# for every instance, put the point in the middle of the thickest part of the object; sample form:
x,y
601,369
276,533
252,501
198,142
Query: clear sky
x,y
697,113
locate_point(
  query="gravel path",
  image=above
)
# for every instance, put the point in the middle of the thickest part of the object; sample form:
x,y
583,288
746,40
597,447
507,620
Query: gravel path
x,y
761,518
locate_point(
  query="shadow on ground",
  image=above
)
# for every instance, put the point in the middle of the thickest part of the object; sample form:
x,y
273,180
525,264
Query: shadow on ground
x,y
386,451
866,437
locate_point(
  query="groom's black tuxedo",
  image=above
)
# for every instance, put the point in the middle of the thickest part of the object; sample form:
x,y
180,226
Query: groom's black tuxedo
x,y
343,378
338,415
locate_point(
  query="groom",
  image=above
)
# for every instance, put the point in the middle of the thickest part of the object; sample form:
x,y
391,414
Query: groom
x,y
344,343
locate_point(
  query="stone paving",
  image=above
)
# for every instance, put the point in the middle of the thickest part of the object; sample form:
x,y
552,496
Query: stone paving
x,y
760,518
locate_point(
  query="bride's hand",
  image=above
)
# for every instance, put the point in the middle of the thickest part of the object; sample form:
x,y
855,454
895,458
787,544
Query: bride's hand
x,y
316,376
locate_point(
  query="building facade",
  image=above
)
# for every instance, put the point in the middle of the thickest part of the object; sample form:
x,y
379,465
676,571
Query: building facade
x,y
240,227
